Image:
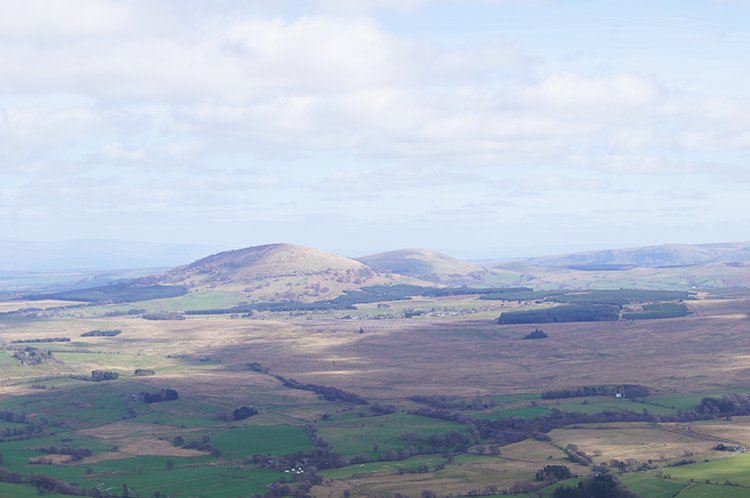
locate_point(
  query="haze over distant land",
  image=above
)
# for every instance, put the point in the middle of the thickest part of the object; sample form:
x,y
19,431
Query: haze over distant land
x,y
476,128
16,255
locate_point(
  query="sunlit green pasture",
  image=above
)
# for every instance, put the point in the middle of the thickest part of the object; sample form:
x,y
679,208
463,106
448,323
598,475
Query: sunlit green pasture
x,y
650,486
238,443
735,469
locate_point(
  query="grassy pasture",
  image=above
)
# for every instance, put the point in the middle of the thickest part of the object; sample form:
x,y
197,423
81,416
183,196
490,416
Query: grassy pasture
x,y
282,440
650,486
519,461
734,468
145,475
713,491
353,439
599,404
196,301
19,491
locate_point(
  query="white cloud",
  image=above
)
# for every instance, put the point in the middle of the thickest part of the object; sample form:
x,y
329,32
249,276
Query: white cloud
x,y
161,104
382,180
63,18
321,82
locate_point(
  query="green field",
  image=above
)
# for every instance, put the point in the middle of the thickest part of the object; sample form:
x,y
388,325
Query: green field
x,y
735,469
650,486
465,360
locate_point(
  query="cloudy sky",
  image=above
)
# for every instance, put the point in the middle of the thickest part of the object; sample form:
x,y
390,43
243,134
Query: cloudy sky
x,y
479,128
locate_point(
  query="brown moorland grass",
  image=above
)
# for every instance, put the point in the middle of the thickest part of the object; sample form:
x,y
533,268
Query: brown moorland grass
x,y
737,430
641,442
397,358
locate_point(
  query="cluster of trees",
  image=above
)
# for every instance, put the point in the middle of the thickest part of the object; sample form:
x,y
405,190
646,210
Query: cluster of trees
x,y
158,397
453,402
46,339
75,453
601,485
97,376
537,334
163,315
382,409
25,432
658,310
244,412
32,356
557,472
204,445
727,406
102,333
143,372
631,391
567,313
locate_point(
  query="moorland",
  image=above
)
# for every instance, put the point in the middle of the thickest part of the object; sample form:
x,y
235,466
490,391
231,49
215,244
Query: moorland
x,y
283,370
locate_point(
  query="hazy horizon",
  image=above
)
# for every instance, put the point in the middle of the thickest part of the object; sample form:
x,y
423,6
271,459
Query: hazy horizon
x,y
101,255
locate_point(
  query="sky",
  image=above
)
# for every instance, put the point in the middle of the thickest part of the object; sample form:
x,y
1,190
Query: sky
x,y
483,129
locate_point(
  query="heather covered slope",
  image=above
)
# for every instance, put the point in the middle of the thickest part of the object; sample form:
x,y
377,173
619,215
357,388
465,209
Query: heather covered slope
x,y
276,272
427,265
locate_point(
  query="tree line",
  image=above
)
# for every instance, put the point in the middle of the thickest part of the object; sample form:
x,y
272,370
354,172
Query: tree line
x,y
631,391
116,293
163,315
102,333
658,310
453,402
566,313
325,392
45,339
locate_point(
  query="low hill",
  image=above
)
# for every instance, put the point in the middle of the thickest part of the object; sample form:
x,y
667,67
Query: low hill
x,y
668,255
275,272
427,265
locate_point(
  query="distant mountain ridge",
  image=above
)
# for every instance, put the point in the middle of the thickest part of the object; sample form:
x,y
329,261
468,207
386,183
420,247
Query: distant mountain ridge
x,y
288,272
427,265
276,272
666,255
